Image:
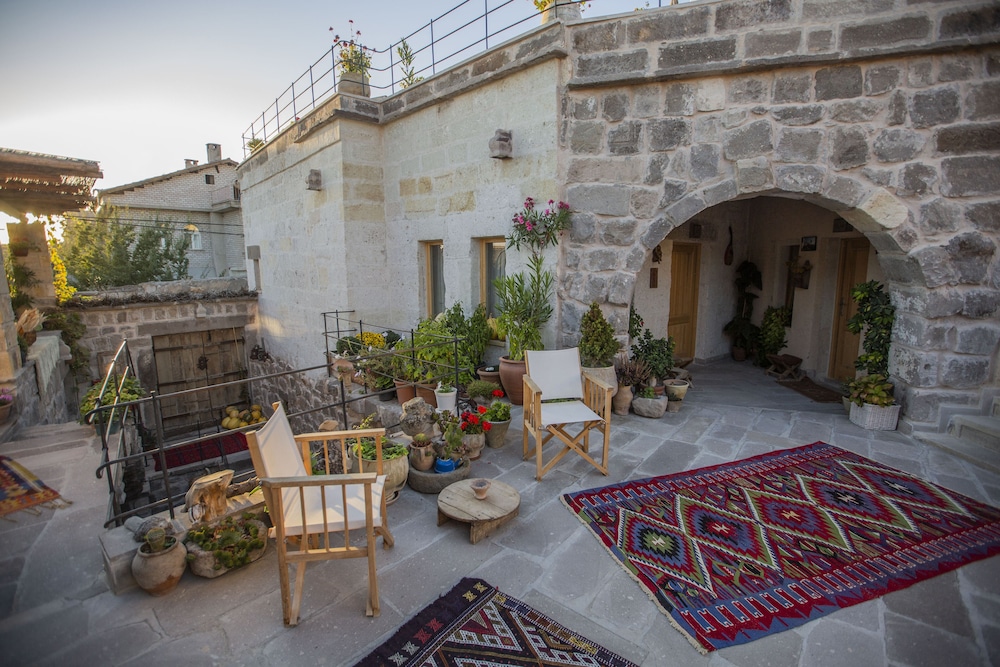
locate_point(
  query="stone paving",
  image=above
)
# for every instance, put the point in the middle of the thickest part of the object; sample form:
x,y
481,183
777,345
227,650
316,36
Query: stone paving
x,y
56,609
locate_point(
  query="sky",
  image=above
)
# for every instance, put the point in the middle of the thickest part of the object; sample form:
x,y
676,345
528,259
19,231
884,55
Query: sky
x,y
140,86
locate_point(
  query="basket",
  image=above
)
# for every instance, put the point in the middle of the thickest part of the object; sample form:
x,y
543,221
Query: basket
x,y
875,417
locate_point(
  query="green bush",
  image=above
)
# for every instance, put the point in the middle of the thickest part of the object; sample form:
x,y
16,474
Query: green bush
x,y
598,345
131,390
771,339
875,318
658,353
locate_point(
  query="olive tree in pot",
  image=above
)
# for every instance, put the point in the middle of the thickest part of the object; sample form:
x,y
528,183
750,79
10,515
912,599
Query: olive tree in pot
x,y
598,346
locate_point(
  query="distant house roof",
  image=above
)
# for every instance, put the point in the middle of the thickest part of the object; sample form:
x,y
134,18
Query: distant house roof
x,y
45,184
166,177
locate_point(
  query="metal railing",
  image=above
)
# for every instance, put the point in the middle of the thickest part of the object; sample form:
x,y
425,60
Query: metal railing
x,y
467,28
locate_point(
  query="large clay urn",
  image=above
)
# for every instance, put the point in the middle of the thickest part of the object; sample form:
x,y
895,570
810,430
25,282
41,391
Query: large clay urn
x,y
158,572
512,379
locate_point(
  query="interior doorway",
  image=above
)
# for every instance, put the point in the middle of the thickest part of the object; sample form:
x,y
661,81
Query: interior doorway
x,y
844,345
685,262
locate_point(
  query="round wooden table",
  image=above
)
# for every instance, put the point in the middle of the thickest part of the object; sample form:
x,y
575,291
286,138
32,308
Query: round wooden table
x,y
457,501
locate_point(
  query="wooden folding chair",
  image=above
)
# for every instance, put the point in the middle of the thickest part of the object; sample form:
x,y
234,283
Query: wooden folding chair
x,y
308,509
557,395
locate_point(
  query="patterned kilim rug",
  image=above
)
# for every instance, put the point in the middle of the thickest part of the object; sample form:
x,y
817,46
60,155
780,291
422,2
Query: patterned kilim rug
x,y
745,549
21,490
474,624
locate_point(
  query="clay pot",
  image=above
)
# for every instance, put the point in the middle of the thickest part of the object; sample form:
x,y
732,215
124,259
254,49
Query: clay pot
x,y
676,389
426,392
622,401
396,471
157,573
404,391
512,379
422,457
474,444
497,434
480,487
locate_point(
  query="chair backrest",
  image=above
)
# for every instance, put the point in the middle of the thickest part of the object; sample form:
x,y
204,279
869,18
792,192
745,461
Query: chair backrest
x,y
556,372
276,448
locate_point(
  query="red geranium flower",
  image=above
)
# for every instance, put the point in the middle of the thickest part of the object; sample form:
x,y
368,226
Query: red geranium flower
x,y
498,393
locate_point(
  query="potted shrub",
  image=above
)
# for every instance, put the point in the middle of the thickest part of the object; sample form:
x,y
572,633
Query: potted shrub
x,y
354,61
483,391
159,562
628,373
598,346
874,318
740,329
524,309
872,404
227,545
130,390
498,418
771,337
395,460
474,429
658,353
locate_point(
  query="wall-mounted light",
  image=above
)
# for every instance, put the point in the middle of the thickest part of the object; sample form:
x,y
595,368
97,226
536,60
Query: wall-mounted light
x,y
501,145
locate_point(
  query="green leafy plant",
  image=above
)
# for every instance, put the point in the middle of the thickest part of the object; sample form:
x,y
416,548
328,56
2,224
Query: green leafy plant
x,y
497,412
598,345
130,390
72,329
631,371
232,541
875,318
647,392
874,389
657,353
525,307
406,58
437,354
482,389
635,323
771,339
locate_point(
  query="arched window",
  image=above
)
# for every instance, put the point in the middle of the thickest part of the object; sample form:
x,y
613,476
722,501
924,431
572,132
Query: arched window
x,y
194,237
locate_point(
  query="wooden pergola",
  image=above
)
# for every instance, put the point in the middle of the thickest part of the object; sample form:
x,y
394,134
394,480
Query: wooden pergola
x,y
43,184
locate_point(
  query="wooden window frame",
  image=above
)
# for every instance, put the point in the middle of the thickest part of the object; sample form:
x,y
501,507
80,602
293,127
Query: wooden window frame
x,y
484,271
429,275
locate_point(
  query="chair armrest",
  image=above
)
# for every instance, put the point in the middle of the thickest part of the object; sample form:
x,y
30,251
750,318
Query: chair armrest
x,y
319,480
532,401
597,395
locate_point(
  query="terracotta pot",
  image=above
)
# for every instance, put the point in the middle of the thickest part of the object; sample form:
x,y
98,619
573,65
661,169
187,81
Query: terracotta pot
x,y
497,434
404,391
474,444
512,379
739,353
158,573
426,392
488,376
480,487
422,458
622,401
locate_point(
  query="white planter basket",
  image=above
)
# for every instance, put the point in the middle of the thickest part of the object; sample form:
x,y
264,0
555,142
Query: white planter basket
x,y
874,417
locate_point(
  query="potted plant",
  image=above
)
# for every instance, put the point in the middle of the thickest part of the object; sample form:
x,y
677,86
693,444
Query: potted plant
x,y
214,549
740,329
483,391
489,373
657,353
421,452
649,404
771,337
6,403
598,346
446,396
474,429
395,461
497,416
354,61
450,450
875,318
129,390
159,562
628,373
872,404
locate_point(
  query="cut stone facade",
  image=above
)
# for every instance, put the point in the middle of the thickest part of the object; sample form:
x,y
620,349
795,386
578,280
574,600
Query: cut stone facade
x,y
714,114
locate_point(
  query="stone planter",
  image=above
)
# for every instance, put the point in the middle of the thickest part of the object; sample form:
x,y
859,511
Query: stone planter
x,y
496,436
433,482
204,563
354,83
676,389
650,407
157,573
474,444
396,471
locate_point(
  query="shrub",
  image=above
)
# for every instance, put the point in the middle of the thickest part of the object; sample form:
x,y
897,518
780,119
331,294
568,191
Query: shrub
x,y
598,345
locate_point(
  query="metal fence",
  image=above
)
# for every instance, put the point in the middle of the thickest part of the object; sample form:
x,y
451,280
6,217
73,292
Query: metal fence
x,y
468,28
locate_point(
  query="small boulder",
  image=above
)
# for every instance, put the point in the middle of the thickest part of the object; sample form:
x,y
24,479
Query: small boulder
x,y
418,417
650,407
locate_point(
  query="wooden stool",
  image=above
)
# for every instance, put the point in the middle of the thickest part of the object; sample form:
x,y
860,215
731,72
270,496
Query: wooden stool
x,y
785,366
458,501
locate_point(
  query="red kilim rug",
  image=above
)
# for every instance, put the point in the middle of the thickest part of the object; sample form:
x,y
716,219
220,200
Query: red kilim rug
x,y
21,490
475,625
745,549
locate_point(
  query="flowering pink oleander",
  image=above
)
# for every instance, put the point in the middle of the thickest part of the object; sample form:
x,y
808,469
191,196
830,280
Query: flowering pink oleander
x,y
538,229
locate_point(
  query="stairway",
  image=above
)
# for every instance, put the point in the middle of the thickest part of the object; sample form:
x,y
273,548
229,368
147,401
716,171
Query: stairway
x,y
975,438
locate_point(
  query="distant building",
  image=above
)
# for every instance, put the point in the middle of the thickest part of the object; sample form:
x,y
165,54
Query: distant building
x,y
202,200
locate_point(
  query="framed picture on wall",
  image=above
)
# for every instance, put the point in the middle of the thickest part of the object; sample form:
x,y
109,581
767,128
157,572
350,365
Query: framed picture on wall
x,y
808,243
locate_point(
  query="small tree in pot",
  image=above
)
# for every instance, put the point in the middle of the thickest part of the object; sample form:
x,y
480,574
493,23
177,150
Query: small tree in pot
x,y
598,346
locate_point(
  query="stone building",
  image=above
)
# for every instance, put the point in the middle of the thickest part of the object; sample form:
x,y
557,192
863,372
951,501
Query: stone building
x,y
202,201
860,136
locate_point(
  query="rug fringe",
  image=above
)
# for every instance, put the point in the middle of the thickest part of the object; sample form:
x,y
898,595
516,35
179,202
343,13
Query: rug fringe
x,y
691,640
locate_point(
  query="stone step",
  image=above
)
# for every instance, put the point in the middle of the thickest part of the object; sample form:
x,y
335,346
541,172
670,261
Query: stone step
x,y
978,429
985,457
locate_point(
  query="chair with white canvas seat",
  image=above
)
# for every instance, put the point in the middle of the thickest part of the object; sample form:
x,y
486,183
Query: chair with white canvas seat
x,y
558,394
310,508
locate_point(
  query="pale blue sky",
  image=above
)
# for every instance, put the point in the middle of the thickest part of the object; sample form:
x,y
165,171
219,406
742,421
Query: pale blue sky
x,y
139,86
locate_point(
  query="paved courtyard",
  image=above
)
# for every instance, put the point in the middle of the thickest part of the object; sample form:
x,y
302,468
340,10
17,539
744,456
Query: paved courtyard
x,y
56,609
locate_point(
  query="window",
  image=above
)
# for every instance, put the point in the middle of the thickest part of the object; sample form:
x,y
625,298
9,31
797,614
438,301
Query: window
x,y
434,267
194,237
209,179
493,264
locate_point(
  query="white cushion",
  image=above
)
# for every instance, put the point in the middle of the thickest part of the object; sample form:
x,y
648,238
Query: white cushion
x,y
567,412
556,372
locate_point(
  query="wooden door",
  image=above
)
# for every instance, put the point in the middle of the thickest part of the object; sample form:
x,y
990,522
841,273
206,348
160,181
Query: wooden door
x,y
199,359
844,345
685,260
